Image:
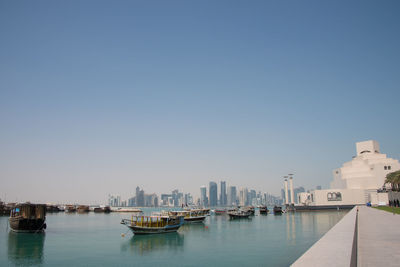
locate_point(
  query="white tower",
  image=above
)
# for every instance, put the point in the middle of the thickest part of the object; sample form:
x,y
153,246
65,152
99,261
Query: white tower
x,y
286,192
291,189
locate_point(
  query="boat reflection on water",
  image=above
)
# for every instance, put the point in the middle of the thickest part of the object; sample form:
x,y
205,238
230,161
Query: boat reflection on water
x,y
25,249
142,244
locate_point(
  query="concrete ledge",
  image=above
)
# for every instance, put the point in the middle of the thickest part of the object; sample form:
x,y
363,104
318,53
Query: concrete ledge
x,y
336,247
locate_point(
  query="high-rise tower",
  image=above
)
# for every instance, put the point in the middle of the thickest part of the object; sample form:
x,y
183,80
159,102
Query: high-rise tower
x,y
222,196
231,196
213,194
203,196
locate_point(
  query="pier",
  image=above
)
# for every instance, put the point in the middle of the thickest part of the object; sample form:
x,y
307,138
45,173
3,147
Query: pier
x,y
364,237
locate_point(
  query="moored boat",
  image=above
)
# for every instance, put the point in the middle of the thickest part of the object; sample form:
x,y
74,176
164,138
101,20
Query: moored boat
x,y
105,209
191,216
277,210
52,208
263,210
239,214
82,209
70,208
28,218
141,225
98,210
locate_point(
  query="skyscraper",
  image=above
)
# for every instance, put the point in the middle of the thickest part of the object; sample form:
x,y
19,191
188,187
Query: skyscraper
x,y
243,201
114,201
132,202
151,200
222,196
140,199
213,188
188,199
164,199
231,196
175,197
251,196
137,196
203,196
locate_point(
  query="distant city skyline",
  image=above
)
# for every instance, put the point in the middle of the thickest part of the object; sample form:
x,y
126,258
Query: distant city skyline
x,y
177,199
97,98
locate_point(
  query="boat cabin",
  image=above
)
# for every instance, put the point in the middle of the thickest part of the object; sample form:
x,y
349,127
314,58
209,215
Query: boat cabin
x,y
152,221
29,211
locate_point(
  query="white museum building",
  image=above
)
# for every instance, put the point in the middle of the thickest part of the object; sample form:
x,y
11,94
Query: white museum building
x,y
358,181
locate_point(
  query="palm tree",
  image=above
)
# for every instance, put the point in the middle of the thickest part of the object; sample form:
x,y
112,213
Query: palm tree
x,y
393,179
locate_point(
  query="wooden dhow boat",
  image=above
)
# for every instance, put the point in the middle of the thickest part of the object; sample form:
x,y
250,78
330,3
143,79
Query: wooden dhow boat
x,y
105,209
143,225
98,210
277,210
28,218
191,216
263,210
70,208
52,208
83,209
239,214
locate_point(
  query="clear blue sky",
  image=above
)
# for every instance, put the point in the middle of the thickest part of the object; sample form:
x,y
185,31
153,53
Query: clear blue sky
x,y
97,97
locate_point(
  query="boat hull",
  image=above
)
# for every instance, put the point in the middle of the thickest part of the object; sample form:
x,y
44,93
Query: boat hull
x,y
198,219
237,216
70,209
263,210
98,210
277,210
21,225
137,230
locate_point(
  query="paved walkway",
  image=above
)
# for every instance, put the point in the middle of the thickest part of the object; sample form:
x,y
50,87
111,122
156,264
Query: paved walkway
x,y
378,238
335,248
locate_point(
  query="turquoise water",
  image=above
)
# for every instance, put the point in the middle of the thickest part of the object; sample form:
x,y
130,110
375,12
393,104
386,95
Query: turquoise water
x,y
96,240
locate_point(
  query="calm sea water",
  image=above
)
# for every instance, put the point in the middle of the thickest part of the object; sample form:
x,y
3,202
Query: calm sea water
x,y
95,240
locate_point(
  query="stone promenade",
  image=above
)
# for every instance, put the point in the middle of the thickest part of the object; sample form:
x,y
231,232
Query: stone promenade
x,y
378,238
369,237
